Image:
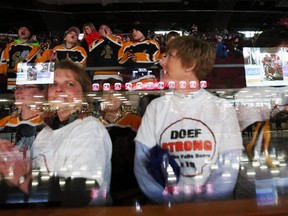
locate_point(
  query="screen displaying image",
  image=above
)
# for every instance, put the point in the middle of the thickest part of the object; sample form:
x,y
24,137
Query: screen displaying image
x,y
266,66
38,73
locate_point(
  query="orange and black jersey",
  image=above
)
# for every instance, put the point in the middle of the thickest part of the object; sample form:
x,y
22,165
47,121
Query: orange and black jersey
x,y
104,52
16,52
146,52
14,121
76,54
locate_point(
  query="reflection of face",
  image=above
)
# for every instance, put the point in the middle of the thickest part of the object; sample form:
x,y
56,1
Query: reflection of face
x,y
112,103
65,88
27,94
66,93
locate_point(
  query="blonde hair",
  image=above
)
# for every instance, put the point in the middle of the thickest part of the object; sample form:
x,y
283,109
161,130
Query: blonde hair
x,y
91,25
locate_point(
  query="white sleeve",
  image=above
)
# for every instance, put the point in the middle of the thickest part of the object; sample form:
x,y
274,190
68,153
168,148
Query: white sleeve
x,y
147,183
145,140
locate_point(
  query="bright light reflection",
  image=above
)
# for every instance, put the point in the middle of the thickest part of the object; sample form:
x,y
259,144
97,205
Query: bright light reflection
x,y
251,173
275,171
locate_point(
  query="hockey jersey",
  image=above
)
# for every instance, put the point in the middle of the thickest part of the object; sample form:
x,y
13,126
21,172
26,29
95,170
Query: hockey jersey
x,y
147,53
76,54
104,52
16,52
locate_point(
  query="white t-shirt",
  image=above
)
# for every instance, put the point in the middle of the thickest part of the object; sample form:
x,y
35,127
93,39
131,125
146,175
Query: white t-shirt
x,y
195,129
80,149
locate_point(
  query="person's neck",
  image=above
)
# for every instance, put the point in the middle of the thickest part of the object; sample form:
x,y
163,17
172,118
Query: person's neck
x,y
189,87
70,45
142,39
187,91
27,112
24,40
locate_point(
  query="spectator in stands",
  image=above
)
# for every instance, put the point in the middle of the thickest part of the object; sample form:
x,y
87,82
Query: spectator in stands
x,y
221,50
104,51
140,51
169,37
90,35
235,47
167,161
70,49
23,49
26,115
138,55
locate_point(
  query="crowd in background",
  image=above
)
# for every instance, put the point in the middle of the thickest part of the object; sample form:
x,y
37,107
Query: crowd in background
x,y
232,39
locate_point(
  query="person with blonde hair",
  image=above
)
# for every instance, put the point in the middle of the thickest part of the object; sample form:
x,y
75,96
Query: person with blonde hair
x,y
90,35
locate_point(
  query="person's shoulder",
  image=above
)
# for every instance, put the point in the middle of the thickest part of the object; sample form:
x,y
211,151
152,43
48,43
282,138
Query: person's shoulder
x,y
153,41
91,121
114,38
11,43
216,99
128,43
132,114
158,101
61,46
4,121
79,47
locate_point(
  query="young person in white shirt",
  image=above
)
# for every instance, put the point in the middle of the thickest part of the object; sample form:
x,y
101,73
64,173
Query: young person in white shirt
x,y
189,143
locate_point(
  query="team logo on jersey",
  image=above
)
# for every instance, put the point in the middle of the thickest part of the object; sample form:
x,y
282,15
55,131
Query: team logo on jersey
x,y
192,144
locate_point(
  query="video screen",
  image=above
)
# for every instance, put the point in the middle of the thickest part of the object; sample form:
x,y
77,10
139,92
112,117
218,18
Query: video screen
x,y
266,66
35,73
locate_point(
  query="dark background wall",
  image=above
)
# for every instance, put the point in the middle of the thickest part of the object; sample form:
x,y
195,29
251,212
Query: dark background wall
x,y
57,15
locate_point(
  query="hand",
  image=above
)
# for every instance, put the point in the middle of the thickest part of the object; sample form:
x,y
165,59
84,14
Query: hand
x,y
13,167
68,57
131,55
53,56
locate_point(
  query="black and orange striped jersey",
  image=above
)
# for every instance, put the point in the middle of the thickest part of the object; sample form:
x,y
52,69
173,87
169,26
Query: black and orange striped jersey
x,y
104,52
146,52
14,121
15,52
77,54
